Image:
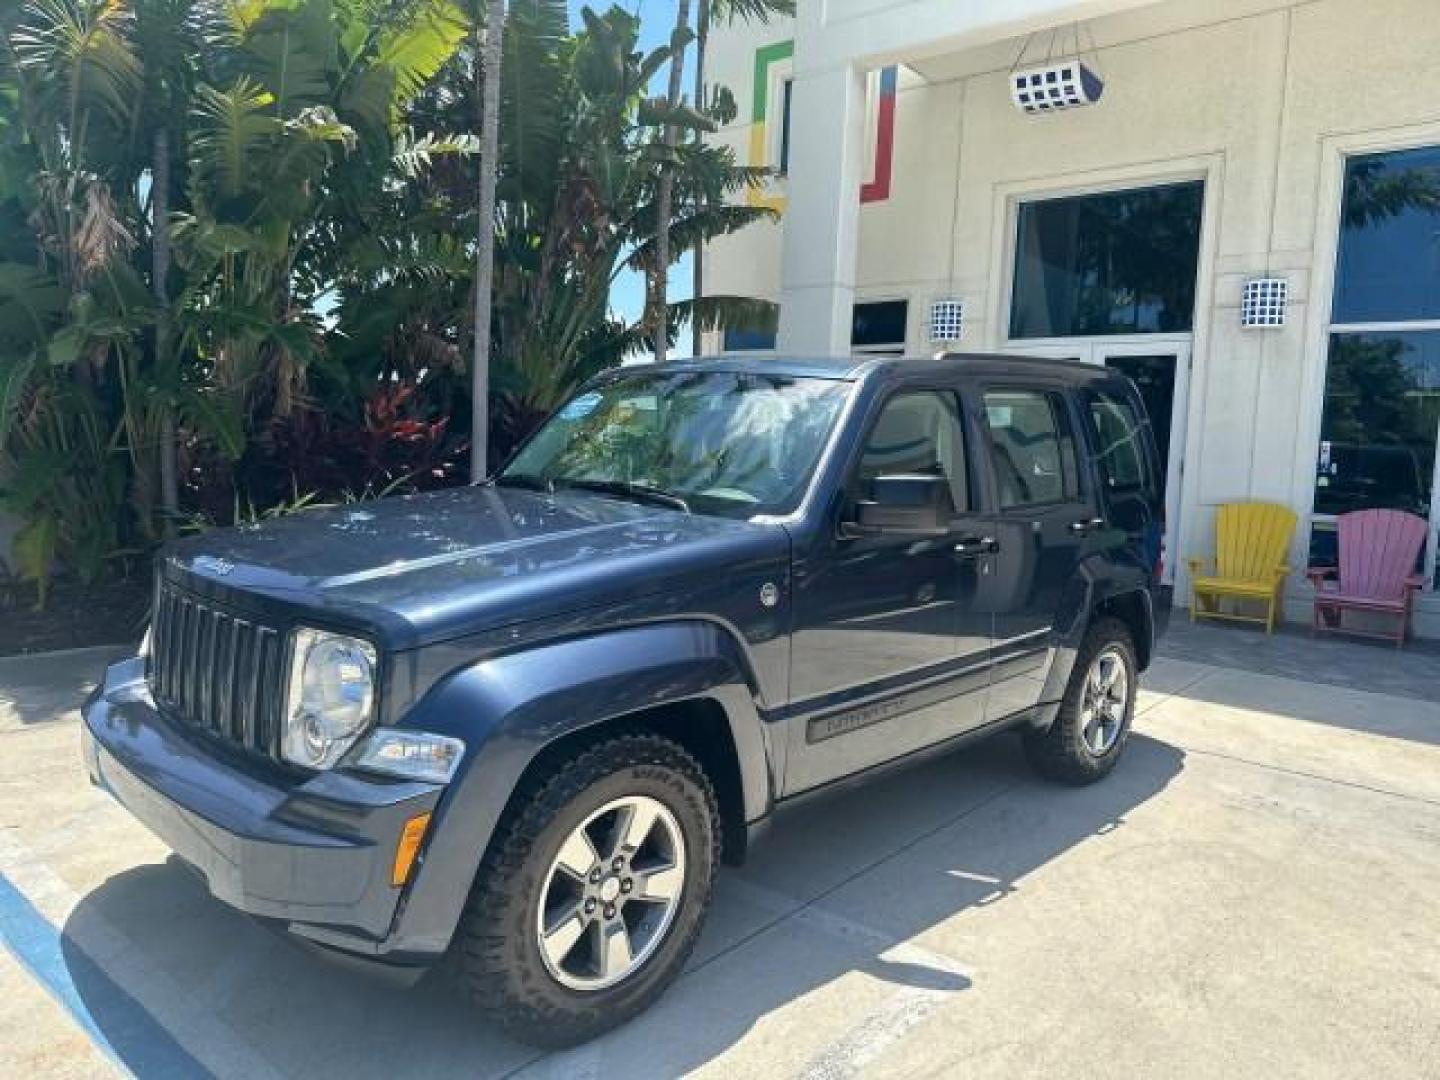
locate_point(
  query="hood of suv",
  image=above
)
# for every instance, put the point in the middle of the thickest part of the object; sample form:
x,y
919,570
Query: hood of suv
x,y
442,564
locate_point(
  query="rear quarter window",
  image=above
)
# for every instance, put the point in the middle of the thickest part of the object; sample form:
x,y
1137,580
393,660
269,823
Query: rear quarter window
x,y
1118,432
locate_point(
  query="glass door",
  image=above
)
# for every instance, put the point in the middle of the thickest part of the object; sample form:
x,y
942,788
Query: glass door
x,y
1160,370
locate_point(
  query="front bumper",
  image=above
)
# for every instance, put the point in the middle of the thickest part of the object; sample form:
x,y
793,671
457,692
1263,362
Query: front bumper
x,y
313,852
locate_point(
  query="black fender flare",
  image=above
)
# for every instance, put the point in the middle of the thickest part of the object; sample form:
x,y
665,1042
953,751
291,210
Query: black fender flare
x,y
1085,595
509,708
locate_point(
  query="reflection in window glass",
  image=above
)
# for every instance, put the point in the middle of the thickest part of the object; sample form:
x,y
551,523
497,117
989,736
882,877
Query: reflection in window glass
x,y
1388,266
1377,438
1032,448
1120,446
880,324
728,443
1120,262
918,433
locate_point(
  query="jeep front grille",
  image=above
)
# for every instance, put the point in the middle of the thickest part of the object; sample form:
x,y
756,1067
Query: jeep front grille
x,y
216,671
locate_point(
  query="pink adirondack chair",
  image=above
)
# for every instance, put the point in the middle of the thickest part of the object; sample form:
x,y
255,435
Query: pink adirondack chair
x,y
1378,549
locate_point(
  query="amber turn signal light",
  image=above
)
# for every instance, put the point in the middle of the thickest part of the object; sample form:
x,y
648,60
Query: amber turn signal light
x,y
408,847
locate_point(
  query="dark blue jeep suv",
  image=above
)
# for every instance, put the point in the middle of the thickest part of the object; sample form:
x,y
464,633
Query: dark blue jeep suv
x,y
521,724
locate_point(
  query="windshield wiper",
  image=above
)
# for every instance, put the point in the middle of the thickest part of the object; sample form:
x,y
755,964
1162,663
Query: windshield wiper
x,y
525,480
626,490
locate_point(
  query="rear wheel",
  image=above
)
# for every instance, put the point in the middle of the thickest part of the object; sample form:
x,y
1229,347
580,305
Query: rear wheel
x,y
594,891
1093,724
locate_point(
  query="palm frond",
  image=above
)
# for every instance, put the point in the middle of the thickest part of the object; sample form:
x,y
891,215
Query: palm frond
x,y
421,42
230,127
701,225
728,313
413,156
81,52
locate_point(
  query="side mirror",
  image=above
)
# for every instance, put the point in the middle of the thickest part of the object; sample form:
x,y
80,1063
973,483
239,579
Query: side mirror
x,y
904,504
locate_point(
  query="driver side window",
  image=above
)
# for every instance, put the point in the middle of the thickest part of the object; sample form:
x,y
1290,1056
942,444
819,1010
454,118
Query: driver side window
x,y
917,432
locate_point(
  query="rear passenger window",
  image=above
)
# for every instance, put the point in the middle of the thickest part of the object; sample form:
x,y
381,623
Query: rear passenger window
x,y
1033,448
1119,441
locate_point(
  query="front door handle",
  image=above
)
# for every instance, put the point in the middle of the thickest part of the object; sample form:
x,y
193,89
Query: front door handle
x,y
1079,528
977,545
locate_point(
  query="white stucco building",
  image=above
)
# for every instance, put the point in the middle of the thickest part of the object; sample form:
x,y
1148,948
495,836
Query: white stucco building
x,y
1295,141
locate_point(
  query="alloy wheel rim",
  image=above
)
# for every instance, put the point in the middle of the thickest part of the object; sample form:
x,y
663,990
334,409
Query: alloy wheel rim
x,y
1105,702
611,893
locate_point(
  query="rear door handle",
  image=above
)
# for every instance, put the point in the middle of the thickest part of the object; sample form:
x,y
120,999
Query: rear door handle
x,y
977,545
1081,527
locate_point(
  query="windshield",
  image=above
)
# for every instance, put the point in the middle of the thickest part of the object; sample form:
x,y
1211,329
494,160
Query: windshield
x,y
714,442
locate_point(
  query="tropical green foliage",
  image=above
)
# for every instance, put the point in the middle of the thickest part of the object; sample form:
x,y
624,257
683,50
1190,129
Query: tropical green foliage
x,y
237,240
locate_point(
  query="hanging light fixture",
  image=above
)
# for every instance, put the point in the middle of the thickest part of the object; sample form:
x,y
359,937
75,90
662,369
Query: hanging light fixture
x,y
1057,84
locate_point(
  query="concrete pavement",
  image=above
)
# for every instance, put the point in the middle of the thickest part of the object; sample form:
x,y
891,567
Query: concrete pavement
x,y
1253,892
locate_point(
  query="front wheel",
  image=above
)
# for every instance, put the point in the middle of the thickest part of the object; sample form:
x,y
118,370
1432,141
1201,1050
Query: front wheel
x,y
1091,728
594,891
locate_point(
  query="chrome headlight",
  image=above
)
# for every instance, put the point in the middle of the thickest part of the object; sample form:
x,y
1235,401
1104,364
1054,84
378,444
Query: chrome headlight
x,y
332,697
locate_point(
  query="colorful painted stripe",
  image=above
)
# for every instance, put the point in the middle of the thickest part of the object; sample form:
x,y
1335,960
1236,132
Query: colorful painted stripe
x,y
877,188
760,104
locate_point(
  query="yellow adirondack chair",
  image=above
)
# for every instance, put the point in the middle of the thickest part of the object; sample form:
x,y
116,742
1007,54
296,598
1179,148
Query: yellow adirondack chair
x,y
1251,542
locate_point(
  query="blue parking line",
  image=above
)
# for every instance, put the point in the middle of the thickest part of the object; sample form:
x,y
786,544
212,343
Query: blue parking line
x,y
115,1022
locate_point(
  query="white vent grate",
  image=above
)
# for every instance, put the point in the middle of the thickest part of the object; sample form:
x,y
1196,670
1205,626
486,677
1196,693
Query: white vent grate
x,y
947,319
1065,85
1263,302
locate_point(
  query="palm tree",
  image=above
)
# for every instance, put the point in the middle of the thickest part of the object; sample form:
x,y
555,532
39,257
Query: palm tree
x,y
656,302
168,43
489,82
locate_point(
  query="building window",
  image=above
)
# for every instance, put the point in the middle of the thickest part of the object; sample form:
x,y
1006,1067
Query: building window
x,y
1388,265
740,340
787,88
1381,418
1120,262
879,327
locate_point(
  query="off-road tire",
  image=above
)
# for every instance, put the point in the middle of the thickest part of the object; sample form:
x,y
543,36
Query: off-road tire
x,y
1059,752
497,957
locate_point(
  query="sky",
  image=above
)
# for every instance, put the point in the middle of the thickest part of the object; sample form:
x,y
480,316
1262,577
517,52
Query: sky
x,y
657,18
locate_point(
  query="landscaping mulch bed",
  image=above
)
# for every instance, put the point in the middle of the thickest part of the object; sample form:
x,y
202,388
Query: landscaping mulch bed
x,y
75,615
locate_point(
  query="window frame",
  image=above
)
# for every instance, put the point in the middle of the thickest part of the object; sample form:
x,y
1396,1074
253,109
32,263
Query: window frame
x,y
1079,453
1340,153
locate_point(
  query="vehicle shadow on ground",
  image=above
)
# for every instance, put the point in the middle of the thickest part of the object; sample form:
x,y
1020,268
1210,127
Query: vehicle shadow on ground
x,y
824,914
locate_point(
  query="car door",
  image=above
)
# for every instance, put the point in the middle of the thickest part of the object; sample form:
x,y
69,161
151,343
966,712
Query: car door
x,y
890,649
1043,515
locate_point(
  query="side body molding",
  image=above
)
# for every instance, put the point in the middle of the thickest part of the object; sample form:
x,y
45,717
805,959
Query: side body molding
x,y
508,708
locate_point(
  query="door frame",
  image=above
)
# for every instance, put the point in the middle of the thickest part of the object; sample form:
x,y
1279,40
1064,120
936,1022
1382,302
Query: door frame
x,y
1096,350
